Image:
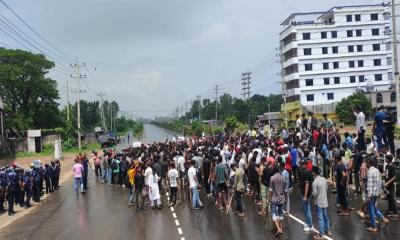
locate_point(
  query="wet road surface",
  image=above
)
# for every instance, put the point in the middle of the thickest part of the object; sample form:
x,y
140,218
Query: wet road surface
x,y
103,213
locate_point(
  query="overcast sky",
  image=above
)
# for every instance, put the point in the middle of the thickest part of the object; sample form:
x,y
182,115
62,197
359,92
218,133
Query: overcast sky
x,y
153,55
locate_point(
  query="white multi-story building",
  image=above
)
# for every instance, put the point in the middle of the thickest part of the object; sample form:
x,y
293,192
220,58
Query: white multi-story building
x,y
327,56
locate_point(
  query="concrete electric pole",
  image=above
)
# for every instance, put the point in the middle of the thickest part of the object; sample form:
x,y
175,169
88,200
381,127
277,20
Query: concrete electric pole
x,y
78,76
395,60
246,81
216,103
199,100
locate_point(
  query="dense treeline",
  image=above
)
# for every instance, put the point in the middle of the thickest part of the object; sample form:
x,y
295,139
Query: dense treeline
x,y
31,98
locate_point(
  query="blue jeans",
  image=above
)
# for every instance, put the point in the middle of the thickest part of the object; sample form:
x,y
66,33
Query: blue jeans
x,y
307,212
105,173
131,198
78,183
277,211
196,198
323,221
374,211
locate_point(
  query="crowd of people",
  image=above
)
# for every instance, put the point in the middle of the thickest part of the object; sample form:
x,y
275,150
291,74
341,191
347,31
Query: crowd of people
x,y
265,166
18,185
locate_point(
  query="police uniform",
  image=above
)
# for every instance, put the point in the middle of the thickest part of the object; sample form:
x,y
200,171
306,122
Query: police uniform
x,y
36,185
3,187
27,183
11,190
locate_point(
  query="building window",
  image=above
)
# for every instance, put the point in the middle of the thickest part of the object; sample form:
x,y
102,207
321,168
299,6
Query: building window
x,y
351,64
359,48
310,97
308,67
335,65
358,32
326,81
352,79
357,17
325,66
377,62
350,48
375,32
349,18
336,80
334,34
376,47
378,77
324,35
324,50
306,36
360,63
330,96
379,98
309,82
307,51
393,97
361,78
349,33
374,17
335,50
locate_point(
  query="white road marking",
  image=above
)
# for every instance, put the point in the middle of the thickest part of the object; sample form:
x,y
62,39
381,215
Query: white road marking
x,y
172,209
303,223
182,238
180,231
176,222
174,215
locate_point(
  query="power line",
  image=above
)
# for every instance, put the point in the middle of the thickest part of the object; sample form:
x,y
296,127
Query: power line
x,y
35,32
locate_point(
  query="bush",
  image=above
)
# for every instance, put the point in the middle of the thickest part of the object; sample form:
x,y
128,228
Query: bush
x,y
397,132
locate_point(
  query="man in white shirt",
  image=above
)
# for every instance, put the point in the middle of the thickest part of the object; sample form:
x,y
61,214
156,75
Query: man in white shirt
x,y
193,183
173,176
360,123
299,122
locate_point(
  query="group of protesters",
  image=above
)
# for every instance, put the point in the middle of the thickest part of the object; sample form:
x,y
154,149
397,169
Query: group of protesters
x,y
18,185
264,165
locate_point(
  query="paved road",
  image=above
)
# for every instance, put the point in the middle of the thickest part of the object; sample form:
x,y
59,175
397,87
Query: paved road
x,y
103,213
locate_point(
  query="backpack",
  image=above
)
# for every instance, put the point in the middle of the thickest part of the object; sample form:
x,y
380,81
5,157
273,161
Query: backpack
x,y
114,165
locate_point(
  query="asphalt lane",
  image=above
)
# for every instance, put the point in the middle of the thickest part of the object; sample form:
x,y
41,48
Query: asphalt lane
x,y
103,213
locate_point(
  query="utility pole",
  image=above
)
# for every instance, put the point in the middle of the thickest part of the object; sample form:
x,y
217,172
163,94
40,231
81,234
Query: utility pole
x,y
102,117
186,113
395,60
111,117
246,81
284,93
67,101
216,103
199,99
78,76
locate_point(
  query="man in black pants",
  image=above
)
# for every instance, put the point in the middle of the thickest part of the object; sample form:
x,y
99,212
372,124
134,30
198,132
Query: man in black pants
x,y
389,184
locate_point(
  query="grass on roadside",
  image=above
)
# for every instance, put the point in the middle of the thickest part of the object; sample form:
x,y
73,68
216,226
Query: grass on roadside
x,y
48,151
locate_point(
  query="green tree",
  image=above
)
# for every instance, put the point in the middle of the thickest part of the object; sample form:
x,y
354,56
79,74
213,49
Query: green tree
x,y
344,108
28,94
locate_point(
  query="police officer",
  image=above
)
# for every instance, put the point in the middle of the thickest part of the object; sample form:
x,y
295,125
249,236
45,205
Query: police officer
x,y
48,174
54,176
27,187
35,184
11,190
57,172
3,187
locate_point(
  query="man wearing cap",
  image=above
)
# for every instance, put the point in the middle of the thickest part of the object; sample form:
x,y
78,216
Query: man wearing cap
x,y
360,123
